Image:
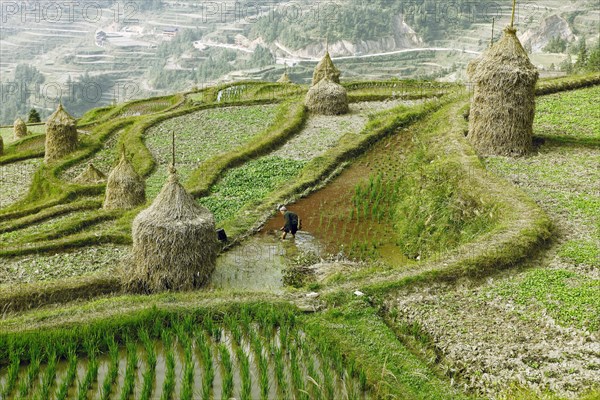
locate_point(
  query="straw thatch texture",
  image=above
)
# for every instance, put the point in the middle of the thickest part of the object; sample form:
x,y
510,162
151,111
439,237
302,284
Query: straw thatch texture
x,y
125,189
174,243
326,68
285,78
503,103
91,176
19,128
327,98
61,135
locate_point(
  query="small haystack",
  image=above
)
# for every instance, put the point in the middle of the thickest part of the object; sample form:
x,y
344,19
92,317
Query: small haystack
x,y
61,135
503,103
174,243
327,98
20,129
125,189
285,78
91,176
326,68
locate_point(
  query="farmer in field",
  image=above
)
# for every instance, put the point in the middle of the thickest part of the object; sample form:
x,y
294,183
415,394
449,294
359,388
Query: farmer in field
x,y
291,222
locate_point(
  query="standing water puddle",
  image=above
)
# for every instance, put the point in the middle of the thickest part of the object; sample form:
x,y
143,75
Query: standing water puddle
x,y
257,264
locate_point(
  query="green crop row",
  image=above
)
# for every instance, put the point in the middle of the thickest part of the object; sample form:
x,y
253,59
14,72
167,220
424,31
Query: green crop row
x,y
248,340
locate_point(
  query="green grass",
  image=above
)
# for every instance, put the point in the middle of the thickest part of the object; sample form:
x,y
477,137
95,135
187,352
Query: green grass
x,y
586,252
570,298
390,368
249,183
8,135
569,115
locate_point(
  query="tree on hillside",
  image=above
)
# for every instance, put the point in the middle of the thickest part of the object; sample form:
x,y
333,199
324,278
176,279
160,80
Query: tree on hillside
x,y
34,116
261,57
567,65
556,45
593,61
582,54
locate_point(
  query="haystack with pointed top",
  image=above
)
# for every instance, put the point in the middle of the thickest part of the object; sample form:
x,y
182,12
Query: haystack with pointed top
x,y
285,78
125,189
503,103
327,98
19,129
91,176
326,68
174,243
61,135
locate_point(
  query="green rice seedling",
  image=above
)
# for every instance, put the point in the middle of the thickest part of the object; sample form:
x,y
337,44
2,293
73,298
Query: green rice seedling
x,y
203,344
227,372
49,376
282,384
328,379
246,379
313,375
33,370
113,368
150,373
187,387
88,379
132,365
92,369
11,375
338,361
362,380
283,336
169,383
213,329
70,376
245,321
262,364
235,330
350,387
297,378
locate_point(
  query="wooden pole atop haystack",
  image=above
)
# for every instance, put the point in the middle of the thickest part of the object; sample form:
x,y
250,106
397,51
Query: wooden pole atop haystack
x,y
492,39
173,162
512,18
326,68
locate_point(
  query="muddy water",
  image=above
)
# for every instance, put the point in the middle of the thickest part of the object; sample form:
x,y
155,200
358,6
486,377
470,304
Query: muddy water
x,y
257,263
326,214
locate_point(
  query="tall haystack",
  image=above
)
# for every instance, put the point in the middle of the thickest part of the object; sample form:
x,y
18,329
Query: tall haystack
x,y
125,189
174,243
327,98
326,68
285,78
91,176
61,135
503,103
19,128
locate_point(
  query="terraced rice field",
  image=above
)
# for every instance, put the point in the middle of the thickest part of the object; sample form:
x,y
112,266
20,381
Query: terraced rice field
x,y
188,358
202,135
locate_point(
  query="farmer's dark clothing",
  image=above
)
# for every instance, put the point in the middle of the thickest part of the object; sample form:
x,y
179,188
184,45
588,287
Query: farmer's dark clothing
x,y
291,222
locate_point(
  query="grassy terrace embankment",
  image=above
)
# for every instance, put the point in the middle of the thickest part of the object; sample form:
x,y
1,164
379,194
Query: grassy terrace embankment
x,y
353,330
